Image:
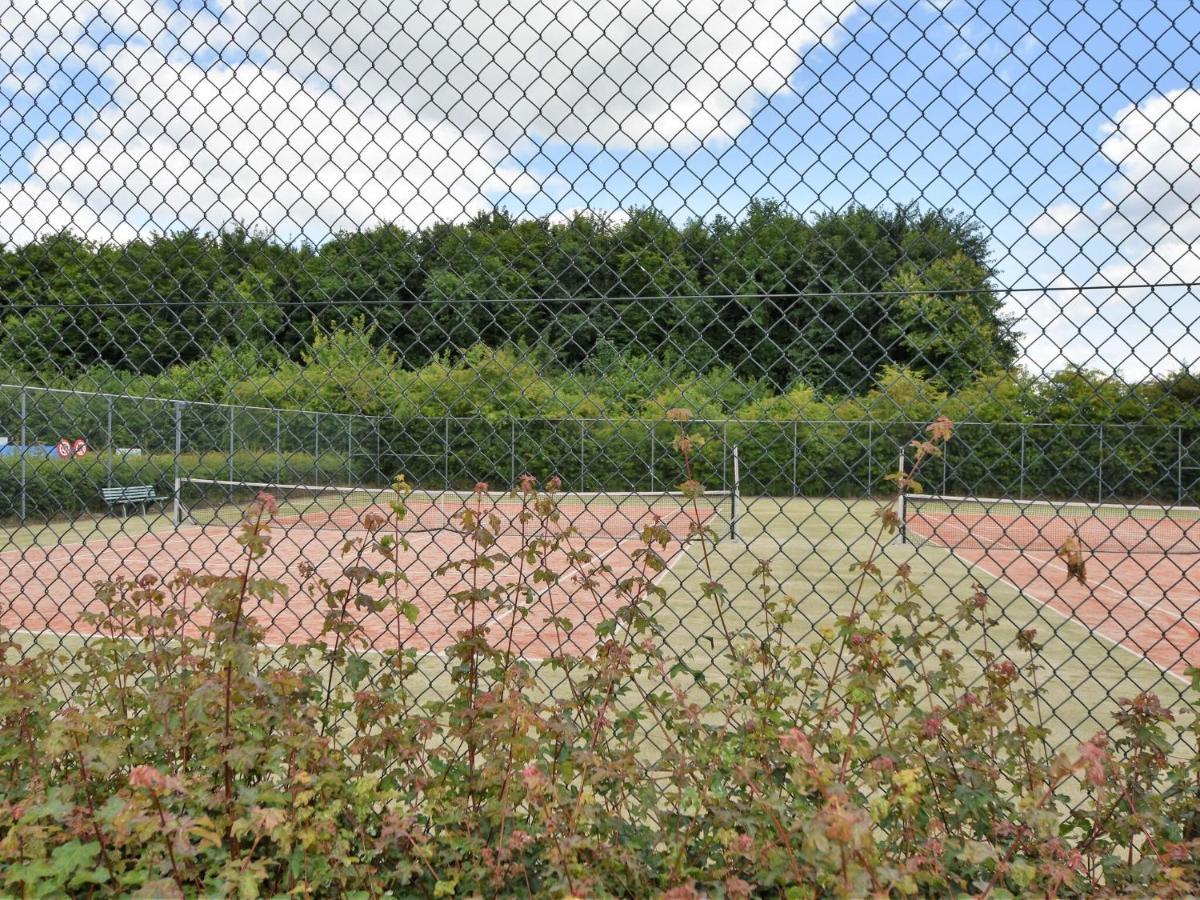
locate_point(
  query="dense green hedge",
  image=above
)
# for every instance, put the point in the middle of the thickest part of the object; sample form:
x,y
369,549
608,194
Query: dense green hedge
x,y
492,414
778,458
794,458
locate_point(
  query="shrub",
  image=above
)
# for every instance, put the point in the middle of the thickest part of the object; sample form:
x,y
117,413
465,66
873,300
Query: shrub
x,y
867,762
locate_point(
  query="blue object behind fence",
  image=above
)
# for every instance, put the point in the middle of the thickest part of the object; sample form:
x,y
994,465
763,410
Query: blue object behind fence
x,y
31,450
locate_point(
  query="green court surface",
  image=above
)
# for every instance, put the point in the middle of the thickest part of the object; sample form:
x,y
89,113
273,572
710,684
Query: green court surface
x,y
809,546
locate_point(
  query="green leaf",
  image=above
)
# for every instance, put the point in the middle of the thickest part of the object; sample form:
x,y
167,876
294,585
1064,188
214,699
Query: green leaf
x,y
73,855
1021,873
248,886
357,669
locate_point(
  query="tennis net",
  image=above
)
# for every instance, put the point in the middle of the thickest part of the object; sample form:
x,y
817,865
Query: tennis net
x,y
983,523
616,515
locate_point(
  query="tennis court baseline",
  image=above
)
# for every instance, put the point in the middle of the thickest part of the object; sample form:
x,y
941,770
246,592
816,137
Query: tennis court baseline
x,y
1142,584
589,543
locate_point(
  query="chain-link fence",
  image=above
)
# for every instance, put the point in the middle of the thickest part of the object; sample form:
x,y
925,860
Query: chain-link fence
x,y
251,249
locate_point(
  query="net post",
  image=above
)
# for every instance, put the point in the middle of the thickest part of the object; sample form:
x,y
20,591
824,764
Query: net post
x,y
650,429
231,439
24,451
278,446
945,467
795,457
176,511
1100,466
108,465
725,455
735,494
1179,464
870,457
1021,487
901,503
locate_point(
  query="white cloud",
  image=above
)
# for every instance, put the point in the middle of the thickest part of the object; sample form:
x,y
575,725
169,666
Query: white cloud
x,y
33,29
191,147
644,72
1059,218
1146,226
1135,331
357,111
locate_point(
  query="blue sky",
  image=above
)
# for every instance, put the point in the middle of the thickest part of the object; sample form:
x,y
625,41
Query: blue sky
x,y
1065,128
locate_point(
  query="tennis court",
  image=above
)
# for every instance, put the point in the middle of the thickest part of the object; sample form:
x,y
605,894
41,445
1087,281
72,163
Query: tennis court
x,y
48,575
589,543
1142,584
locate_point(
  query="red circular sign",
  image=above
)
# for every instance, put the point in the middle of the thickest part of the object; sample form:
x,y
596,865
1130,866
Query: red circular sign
x,y
80,447
63,448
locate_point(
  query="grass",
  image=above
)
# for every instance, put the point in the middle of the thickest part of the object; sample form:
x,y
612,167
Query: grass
x,y
82,529
810,545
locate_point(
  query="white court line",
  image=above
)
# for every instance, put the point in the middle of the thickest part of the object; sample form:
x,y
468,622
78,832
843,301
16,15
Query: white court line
x,y
548,588
1053,561
1149,604
1045,604
507,610
636,542
86,635
669,570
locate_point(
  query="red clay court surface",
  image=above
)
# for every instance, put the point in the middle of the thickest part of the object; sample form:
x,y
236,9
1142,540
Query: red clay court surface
x,y
1143,575
47,589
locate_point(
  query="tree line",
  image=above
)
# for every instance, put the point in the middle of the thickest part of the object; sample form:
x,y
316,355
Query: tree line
x,y
829,301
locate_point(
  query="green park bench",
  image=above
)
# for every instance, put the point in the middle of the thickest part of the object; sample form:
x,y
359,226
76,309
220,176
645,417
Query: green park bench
x,y
132,495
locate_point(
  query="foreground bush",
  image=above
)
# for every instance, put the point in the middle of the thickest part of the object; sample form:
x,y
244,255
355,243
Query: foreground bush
x,y
876,760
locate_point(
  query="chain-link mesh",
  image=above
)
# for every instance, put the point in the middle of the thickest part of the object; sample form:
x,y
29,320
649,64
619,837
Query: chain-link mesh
x,y
306,249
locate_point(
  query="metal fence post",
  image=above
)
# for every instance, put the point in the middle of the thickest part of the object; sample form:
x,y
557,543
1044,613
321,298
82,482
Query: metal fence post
x,y
446,458
1100,467
278,447
795,457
